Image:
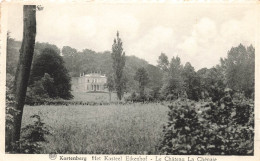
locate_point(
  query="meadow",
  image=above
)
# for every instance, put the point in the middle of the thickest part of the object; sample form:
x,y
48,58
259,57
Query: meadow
x,y
105,129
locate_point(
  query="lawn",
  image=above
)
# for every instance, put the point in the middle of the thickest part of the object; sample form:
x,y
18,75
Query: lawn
x,y
108,129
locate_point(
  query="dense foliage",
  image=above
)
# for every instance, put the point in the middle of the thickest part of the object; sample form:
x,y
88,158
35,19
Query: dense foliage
x,y
33,136
239,69
50,76
236,72
10,111
225,127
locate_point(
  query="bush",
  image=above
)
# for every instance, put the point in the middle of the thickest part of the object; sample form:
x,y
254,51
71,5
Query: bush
x,y
147,97
41,89
150,95
155,93
32,137
222,128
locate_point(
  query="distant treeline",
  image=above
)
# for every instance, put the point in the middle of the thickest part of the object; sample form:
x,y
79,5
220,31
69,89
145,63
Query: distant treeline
x,y
87,61
169,80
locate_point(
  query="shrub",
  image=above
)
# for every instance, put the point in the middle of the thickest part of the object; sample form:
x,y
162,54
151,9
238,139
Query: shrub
x,y
155,93
32,137
222,128
41,90
171,97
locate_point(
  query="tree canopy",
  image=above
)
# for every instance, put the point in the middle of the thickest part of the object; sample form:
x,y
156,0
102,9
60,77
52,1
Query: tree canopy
x,y
239,69
49,61
163,62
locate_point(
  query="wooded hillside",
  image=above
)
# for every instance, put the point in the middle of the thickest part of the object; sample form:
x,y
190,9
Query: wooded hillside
x,y
88,61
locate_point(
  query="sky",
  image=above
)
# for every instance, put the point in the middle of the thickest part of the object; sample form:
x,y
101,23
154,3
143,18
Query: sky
x,y
198,33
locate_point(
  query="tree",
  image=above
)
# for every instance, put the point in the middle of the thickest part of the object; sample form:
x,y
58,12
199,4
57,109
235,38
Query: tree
x,y
39,47
24,67
68,51
69,55
212,82
191,82
50,62
155,81
12,55
239,69
173,81
142,77
43,88
163,62
118,58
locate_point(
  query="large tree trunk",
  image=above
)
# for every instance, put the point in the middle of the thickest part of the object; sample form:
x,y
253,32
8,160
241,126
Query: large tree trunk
x,y
24,66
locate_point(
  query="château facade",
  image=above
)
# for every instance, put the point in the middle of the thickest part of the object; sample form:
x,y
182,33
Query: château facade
x,y
93,82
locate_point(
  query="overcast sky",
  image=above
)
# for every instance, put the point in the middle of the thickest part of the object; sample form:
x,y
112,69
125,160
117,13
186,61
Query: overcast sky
x,y
199,34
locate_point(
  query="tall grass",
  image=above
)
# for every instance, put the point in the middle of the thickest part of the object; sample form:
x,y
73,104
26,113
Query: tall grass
x,y
111,129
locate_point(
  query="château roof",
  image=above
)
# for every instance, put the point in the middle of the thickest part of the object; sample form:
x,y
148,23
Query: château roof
x,y
93,75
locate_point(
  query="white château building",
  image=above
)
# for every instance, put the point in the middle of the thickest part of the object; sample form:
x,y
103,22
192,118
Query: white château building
x,y
93,82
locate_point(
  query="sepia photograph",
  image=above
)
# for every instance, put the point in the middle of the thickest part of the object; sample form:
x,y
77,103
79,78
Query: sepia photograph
x,y
133,79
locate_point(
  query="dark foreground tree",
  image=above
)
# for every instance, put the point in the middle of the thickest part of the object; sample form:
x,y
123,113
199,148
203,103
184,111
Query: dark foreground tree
x,y
23,68
118,58
142,77
49,61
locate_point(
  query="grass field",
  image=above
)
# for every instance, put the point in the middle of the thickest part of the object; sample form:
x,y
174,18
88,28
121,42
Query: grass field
x,y
110,129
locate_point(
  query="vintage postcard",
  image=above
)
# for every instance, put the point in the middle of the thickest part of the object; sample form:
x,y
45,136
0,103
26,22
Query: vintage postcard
x,y
130,81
